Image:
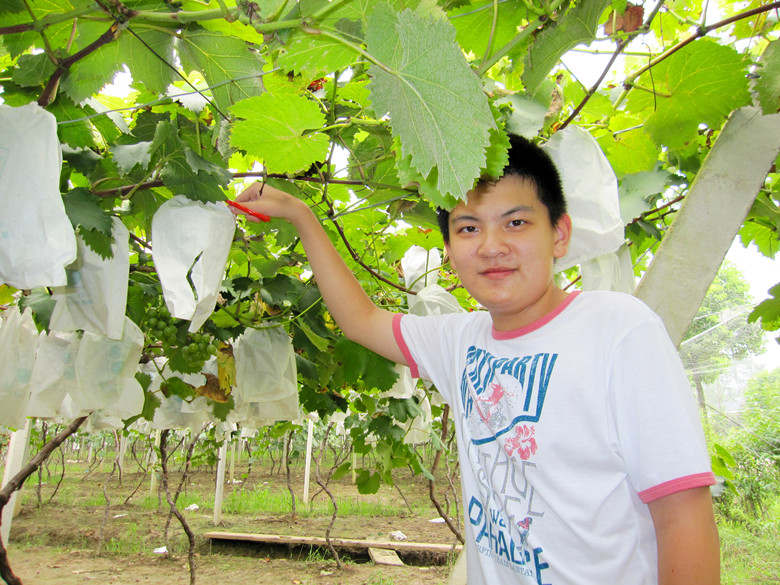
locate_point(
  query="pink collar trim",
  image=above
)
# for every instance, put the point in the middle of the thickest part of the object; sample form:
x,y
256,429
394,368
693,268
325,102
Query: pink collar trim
x,y
539,323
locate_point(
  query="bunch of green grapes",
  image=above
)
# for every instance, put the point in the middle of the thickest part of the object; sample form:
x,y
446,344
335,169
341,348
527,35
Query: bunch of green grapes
x,y
187,351
199,348
161,326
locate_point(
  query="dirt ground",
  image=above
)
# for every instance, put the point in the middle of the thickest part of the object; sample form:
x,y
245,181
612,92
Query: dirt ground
x,y
58,543
46,565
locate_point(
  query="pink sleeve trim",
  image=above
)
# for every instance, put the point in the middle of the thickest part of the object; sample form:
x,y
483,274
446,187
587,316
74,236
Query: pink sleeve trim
x,y
677,485
399,338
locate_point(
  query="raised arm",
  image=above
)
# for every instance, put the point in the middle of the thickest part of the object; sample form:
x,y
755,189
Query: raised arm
x,y
356,314
688,548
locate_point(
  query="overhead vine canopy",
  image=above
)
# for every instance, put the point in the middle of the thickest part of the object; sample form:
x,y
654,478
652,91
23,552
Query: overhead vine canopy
x,y
374,112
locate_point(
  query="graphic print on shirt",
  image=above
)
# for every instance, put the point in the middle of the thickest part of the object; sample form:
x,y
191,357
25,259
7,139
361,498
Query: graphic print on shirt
x,y
499,393
501,399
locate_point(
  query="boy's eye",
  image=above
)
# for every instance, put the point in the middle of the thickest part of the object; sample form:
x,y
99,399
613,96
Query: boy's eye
x,y
469,229
517,222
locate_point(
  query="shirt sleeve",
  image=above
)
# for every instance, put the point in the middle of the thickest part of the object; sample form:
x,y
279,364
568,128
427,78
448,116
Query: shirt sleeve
x,y
657,418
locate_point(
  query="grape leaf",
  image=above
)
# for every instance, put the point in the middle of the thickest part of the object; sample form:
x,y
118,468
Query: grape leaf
x,y
88,75
762,236
576,27
315,55
100,243
57,34
77,134
83,209
230,68
367,482
403,409
126,156
631,150
319,342
11,6
436,104
41,303
497,152
359,363
33,70
768,311
149,57
183,171
151,401
768,84
273,127
474,23
701,84
179,177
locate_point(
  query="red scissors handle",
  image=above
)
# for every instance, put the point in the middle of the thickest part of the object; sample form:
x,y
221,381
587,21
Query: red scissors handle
x,y
245,209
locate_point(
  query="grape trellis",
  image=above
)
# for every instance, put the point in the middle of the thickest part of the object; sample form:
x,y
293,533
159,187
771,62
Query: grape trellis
x,y
374,113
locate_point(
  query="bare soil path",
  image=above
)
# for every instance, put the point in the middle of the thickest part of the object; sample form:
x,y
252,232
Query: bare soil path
x,y
60,541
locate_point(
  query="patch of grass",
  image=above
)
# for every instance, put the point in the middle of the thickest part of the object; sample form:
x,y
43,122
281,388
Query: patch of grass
x,y
750,554
129,542
185,499
268,501
379,579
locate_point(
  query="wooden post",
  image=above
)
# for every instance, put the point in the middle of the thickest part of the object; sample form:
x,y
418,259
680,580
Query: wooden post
x,y
720,197
307,469
17,448
232,460
220,483
122,453
151,460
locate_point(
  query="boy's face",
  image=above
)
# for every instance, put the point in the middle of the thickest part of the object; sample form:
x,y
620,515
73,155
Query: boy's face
x,y
502,245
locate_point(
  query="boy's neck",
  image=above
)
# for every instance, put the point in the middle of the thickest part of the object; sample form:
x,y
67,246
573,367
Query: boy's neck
x,y
545,306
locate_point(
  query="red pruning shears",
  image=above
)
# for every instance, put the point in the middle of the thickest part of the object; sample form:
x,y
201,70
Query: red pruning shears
x,y
243,208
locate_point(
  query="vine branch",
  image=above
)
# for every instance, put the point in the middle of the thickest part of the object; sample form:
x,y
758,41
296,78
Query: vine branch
x,y
621,46
701,31
47,97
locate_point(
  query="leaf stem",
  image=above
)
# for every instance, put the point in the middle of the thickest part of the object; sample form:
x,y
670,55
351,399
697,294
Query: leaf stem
x,y
503,51
326,8
184,17
359,50
492,35
46,21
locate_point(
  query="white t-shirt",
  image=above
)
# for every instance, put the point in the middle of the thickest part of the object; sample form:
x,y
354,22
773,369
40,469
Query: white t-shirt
x,y
566,429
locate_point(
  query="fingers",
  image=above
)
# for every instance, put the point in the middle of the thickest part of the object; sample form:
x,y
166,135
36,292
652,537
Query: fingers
x,y
251,193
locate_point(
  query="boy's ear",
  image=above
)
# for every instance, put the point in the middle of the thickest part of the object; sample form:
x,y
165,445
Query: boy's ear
x,y
562,236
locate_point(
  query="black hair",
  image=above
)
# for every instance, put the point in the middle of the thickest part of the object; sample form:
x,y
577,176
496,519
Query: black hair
x,y
527,161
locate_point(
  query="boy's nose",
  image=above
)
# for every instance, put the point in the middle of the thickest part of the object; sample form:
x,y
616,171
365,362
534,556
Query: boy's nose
x,y
492,244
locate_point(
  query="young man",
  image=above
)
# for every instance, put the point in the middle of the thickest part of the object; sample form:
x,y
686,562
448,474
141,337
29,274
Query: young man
x,y
582,458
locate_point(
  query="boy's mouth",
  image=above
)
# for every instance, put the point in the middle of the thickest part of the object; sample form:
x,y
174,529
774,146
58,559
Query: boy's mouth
x,y
497,272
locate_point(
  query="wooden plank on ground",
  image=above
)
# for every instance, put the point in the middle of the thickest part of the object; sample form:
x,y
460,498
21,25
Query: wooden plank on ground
x,y
385,556
350,543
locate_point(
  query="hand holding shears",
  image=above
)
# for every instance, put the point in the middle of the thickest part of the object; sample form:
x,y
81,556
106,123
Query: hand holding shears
x,y
244,209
